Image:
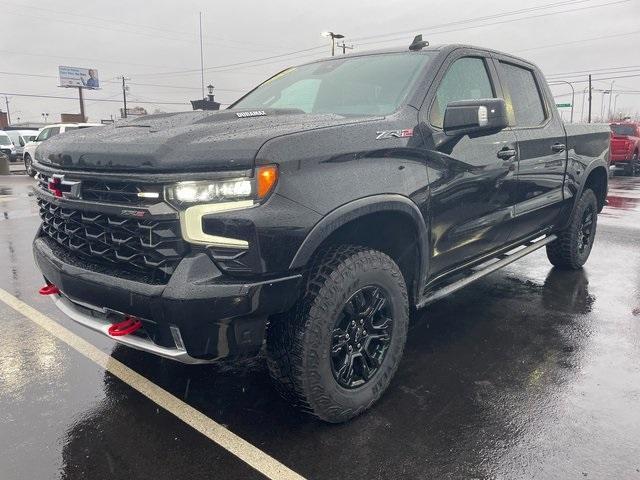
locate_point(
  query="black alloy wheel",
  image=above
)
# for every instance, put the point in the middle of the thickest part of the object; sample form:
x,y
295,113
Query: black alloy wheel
x,y
361,337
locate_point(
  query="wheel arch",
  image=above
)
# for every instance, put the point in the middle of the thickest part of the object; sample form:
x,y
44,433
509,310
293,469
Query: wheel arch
x,y
396,211
597,179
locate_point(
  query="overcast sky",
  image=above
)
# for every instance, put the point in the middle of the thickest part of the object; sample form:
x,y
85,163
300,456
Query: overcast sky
x,y
144,40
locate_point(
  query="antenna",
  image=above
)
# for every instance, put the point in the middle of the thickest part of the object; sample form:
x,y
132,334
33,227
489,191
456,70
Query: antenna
x,y
418,43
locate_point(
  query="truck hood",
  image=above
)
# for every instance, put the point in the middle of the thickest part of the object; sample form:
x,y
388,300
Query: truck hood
x,y
180,142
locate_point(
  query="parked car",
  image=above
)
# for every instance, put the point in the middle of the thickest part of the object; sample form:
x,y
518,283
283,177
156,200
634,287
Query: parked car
x,y
625,145
6,145
316,212
45,133
19,138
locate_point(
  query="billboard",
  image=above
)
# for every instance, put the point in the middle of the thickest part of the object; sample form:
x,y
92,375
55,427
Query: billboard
x,y
78,77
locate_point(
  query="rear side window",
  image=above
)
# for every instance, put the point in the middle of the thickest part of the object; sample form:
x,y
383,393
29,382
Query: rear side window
x,y
624,129
523,95
466,79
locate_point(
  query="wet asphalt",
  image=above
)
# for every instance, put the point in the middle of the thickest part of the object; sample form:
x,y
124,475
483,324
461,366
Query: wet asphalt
x,y
529,373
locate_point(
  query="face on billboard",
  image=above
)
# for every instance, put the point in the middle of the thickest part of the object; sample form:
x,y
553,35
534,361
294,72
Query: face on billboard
x,y
79,77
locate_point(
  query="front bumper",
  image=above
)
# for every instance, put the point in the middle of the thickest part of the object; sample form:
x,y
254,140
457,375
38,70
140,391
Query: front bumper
x,y
199,316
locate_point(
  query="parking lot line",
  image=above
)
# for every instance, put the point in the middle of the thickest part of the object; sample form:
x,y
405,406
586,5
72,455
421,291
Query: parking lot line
x,y
245,451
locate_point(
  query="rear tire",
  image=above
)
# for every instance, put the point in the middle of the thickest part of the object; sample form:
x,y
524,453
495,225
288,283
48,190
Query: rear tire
x,y
573,246
635,165
335,352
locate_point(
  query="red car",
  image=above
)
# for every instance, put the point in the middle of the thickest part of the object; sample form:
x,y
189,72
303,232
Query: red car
x,y
625,144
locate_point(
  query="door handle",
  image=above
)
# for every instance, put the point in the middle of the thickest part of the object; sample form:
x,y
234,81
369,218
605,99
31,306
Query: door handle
x,y
558,147
506,153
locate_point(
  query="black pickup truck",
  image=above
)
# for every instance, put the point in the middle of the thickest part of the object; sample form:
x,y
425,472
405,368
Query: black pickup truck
x,y
311,217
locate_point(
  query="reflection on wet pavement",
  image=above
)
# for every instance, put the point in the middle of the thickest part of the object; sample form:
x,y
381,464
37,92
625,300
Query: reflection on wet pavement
x,y
531,372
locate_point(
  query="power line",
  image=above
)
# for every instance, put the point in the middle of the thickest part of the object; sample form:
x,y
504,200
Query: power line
x,y
93,100
470,20
461,22
180,87
580,41
134,25
592,70
527,17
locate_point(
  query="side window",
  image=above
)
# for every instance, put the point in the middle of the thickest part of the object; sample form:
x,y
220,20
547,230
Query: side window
x,y
54,131
43,135
466,79
523,98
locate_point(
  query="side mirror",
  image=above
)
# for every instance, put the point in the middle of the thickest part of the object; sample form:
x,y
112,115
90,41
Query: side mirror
x,y
475,117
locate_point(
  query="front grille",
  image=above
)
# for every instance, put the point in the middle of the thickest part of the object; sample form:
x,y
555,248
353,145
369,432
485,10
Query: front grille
x,y
112,191
118,192
151,246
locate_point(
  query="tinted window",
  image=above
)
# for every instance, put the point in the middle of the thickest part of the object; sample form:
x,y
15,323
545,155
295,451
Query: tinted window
x,y
523,96
54,131
466,79
622,129
366,85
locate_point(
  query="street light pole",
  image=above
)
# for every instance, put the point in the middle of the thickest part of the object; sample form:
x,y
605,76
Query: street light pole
x,y
573,94
333,37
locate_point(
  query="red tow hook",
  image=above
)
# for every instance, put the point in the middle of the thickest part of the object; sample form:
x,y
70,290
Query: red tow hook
x,y
127,326
49,289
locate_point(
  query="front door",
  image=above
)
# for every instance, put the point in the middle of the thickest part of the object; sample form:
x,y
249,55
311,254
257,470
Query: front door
x,y
472,180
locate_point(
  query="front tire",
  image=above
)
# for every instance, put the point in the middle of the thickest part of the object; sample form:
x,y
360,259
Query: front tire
x,y
28,165
573,246
335,353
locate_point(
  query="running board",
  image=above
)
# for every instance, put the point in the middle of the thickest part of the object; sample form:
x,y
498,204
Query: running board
x,y
502,261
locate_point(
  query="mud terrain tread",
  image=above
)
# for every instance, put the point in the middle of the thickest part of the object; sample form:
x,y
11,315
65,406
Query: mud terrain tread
x,y
563,252
296,377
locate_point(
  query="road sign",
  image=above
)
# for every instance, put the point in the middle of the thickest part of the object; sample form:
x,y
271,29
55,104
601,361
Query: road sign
x,y
563,105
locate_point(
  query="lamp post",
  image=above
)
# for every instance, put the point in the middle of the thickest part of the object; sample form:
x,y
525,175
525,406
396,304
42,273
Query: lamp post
x,y
333,37
573,94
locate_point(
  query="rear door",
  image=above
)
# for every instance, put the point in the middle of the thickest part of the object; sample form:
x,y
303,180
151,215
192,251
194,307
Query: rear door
x,y
542,156
472,179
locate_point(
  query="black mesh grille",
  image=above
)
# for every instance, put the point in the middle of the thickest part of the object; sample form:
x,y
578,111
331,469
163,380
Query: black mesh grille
x,y
153,246
118,192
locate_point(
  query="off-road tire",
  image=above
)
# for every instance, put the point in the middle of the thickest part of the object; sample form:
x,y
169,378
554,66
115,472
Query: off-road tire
x,y
299,342
564,252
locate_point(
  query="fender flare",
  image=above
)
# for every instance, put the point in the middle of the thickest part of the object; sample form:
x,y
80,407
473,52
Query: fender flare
x,y
359,208
585,175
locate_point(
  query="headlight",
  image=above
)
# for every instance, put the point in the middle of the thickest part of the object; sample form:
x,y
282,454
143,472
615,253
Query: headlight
x,y
184,194
200,198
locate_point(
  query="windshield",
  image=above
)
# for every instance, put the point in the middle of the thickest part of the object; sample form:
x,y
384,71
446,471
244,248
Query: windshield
x,y
5,140
623,129
367,85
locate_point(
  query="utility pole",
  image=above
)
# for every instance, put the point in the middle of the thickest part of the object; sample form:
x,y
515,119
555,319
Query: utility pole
x,y
6,101
589,118
80,95
344,47
124,96
201,59
610,95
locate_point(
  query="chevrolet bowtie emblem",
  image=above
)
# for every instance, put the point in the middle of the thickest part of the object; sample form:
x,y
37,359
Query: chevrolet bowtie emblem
x,y
62,188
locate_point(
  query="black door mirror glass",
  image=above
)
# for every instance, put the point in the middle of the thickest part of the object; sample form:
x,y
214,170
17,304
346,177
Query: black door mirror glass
x,y
469,117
